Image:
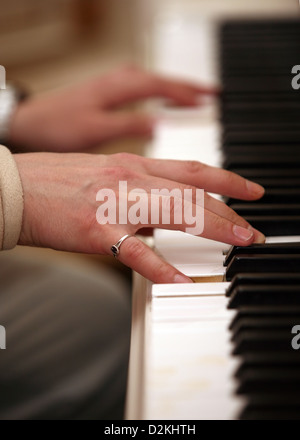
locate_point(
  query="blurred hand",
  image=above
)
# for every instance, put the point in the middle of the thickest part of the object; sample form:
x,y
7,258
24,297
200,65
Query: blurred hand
x,y
60,204
84,116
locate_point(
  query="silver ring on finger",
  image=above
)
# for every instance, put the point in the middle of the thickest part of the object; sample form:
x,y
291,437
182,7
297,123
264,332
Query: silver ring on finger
x,y
116,247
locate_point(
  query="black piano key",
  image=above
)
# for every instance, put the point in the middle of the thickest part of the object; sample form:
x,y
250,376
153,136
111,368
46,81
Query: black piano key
x,y
266,209
276,225
260,381
262,263
262,160
254,279
239,36
247,27
257,83
263,342
256,53
268,360
261,141
276,196
279,182
247,69
260,48
267,135
264,295
266,311
242,150
253,42
264,149
273,128
280,405
228,98
262,324
247,115
284,411
263,249
255,173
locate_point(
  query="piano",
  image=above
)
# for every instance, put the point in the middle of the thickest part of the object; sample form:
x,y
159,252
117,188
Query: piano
x,y
221,348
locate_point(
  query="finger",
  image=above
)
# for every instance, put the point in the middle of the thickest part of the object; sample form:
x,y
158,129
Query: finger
x,y
221,209
216,228
103,127
139,257
214,180
182,93
210,203
133,84
178,213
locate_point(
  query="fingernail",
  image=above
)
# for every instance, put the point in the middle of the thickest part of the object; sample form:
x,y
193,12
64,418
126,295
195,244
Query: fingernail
x,y
255,189
242,233
181,279
260,238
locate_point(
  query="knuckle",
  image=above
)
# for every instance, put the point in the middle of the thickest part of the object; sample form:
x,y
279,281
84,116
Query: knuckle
x,y
135,249
120,173
218,224
235,218
194,167
163,271
229,213
126,158
231,179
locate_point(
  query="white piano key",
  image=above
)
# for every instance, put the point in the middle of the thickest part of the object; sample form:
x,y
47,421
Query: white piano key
x,y
194,256
187,137
289,239
179,35
174,302
191,290
189,370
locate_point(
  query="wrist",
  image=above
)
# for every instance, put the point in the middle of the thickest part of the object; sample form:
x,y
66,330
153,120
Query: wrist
x,y
10,101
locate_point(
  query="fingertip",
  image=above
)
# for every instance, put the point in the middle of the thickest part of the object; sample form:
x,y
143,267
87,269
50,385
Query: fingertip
x,y
255,190
259,237
182,279
249,236
213,90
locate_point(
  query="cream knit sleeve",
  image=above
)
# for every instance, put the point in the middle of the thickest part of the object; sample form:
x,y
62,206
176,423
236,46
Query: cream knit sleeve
x,y
11,201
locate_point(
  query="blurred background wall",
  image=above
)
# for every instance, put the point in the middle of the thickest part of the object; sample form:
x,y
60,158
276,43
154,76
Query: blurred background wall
x,y
48,44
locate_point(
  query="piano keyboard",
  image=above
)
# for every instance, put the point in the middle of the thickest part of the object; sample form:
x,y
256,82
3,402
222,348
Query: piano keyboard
x,y
256,60
261,119
221,348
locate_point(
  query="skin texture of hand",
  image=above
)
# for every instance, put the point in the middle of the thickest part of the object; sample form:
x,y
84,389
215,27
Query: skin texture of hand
x,y
83,117
60,204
